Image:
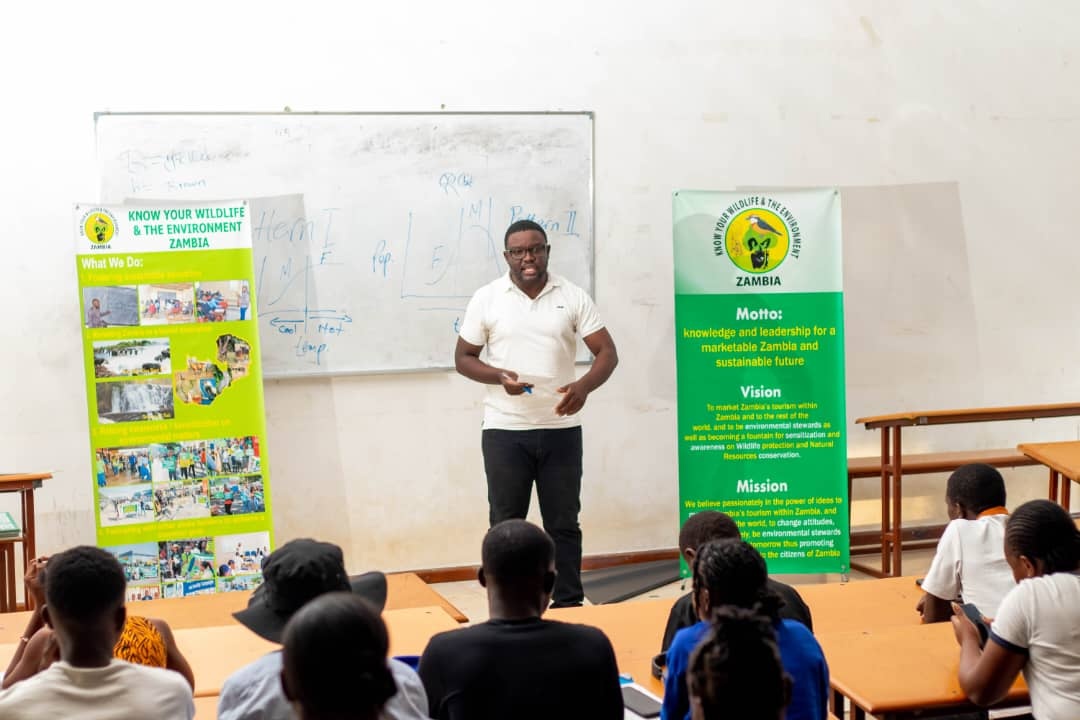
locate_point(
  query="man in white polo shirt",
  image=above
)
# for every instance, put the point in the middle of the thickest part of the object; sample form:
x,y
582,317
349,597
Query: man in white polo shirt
x,y
529,321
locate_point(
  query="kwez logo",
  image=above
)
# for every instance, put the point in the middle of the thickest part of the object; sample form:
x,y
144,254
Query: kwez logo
x,y
757,242
758,238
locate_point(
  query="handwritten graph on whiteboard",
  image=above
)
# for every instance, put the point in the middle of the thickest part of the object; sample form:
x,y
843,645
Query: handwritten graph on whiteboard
x,y
371,231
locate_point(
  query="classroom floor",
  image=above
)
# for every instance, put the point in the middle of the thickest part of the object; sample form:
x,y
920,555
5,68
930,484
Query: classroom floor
x,y
471,599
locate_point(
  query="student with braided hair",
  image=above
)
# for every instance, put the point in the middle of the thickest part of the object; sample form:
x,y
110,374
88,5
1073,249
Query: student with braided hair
x,y
1037,628
736,671
699,528
732,572
334,662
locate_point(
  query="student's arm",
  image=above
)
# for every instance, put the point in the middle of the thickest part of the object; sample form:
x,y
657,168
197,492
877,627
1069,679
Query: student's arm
x,y
943,580
31,660
174,659
682,615
612,705
430,671
934,609
605,358
36,621
985,674
676,701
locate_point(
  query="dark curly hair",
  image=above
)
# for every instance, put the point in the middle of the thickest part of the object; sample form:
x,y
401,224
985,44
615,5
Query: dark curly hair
x,y
734,573
707,525
83,583
976,486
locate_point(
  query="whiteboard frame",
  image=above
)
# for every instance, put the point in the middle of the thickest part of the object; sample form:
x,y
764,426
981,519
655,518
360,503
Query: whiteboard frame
x,y
589,114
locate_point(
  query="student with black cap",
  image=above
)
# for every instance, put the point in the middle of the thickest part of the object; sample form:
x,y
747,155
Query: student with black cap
x,y
294,574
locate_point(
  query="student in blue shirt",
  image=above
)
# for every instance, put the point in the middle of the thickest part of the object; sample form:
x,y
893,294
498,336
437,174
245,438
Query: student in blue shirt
x,y
732,572
736,672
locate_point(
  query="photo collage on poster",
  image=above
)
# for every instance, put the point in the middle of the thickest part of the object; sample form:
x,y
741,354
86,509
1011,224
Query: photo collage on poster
x,y
134,378
193,565
194,479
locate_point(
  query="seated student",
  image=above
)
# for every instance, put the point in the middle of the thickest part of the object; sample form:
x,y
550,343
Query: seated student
x,y
736,672
699,528
144,641
969,564
334,660
732,572
296,573
85,609
1037,627
517,665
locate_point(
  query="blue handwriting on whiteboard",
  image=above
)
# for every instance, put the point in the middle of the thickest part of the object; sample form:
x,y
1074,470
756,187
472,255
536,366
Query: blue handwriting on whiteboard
x,y
380,259
310,351
452,181
300,230
550,225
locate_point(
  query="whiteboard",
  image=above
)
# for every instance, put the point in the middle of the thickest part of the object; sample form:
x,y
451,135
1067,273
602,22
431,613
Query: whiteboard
x,y
371,230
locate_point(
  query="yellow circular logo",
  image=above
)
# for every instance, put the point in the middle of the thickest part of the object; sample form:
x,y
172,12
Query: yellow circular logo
x,y
757,241
99,227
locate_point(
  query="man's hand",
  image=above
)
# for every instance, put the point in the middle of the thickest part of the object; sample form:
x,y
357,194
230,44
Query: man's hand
x,y
573,398
509,380
921,605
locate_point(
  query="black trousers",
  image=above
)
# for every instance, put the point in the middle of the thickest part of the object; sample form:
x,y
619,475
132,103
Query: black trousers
x,y
513,460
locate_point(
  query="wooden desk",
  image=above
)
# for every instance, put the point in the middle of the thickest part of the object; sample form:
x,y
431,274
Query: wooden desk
x,y
206,707
635,630
900,672
215,653
862,604
1063,459
892,458
24,484
406,590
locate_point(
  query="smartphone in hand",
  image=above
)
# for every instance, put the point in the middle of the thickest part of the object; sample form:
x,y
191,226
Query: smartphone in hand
x,y
976,618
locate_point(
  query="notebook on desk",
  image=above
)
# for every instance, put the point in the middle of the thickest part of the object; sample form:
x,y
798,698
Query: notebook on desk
x,y
8,527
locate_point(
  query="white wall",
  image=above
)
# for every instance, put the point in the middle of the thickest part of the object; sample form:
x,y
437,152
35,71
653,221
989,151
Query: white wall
x,y
980,95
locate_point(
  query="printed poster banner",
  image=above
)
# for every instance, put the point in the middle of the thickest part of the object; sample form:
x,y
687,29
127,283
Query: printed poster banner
x,y
174,395
760,365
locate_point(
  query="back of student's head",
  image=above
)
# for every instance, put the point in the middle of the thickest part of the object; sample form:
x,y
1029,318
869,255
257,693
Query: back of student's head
x,y
1044,532
707,525
734,573
976,486
83,584
334,659
735,672
516,550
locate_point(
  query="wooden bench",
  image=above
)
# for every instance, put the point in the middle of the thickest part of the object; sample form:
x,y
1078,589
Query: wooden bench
x,y
893,464
926,463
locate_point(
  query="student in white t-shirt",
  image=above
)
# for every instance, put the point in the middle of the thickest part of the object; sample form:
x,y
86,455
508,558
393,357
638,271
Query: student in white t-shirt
x,y
1037,628
970,561
84,605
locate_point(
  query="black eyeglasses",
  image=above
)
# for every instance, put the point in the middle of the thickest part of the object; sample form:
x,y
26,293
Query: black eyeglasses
x,y
535,251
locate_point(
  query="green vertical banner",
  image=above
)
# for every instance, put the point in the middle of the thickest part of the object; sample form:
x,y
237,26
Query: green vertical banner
x,y
760,364
174,395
